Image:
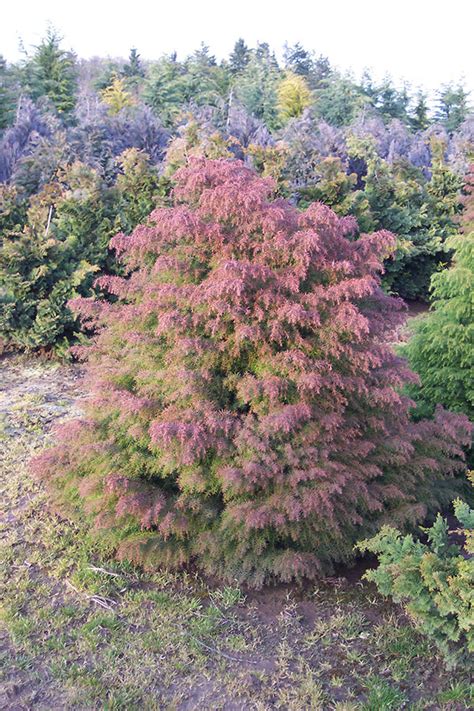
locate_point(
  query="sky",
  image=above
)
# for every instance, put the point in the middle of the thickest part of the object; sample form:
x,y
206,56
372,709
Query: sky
x,y
424,42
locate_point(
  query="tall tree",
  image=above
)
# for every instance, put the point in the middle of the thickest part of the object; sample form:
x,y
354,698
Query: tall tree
x,y
134,68
453,106
51,72
419,118
7,95
298,60
239,57
293,97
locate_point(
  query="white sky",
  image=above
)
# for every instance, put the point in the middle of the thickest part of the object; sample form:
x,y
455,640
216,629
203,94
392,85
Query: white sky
x,y
427,42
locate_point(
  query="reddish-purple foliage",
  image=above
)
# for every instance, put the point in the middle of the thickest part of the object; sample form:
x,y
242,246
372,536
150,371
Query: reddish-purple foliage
x,y
247,409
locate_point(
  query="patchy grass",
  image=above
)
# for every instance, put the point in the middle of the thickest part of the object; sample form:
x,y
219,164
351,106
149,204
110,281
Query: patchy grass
x,y
80,630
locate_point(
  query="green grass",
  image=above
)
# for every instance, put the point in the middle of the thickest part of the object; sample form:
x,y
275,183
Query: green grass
x,y
82,631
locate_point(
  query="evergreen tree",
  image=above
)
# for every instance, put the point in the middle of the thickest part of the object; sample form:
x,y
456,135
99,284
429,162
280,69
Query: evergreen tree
x,y
134,69
339,101
51,72
239,57
453,107
293,97
166,89
256,87
298,60
419,119
116,96
247,412
7,95
441,350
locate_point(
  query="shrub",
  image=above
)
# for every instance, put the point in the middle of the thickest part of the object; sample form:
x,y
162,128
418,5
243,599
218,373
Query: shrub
x,y
247,412
433,581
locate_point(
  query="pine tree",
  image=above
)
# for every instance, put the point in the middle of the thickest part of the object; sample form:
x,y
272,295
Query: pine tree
x,y
247,411
7,95
298,60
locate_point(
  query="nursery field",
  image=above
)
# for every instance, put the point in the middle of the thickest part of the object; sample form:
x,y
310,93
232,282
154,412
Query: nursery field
x,y
80,630
236,382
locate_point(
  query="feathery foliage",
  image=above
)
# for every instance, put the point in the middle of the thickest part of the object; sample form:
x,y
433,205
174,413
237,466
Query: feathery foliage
x,y
246,409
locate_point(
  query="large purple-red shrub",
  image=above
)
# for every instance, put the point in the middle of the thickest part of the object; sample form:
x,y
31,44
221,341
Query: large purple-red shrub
x,y
247,412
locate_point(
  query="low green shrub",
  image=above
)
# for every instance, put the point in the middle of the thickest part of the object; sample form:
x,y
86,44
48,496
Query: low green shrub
x,y
434,581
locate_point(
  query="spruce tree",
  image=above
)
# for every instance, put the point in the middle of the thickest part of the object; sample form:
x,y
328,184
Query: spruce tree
x,y
419,119
240,57
51,72
134,69
453,106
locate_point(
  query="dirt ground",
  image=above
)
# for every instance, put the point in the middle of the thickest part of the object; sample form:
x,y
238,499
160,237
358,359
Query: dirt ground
x,y
81,631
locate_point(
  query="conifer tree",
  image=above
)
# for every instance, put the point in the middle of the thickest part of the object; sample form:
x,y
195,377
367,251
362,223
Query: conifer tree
x,y
298,60
240,57
453,106
7,95
246,409
134,69
116,96
293,97
51,72
419,119
442,348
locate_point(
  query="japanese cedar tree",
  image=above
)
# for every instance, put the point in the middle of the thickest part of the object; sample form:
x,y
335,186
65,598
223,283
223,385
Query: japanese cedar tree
x,y
247,411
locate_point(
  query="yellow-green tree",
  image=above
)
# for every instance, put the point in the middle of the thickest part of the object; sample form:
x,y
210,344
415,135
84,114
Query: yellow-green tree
x,y
116,96
294,96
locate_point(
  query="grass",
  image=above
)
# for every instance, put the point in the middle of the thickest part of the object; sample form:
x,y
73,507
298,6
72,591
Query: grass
x,y
81,631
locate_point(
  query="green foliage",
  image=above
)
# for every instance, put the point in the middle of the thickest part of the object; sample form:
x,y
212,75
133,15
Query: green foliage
x,y
256,87
52,251
7,95
51,72
340,101
434,581
134,69
240,57
419,119
452,106
139,188
334,187
441,349
171,85
166,89
420,212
